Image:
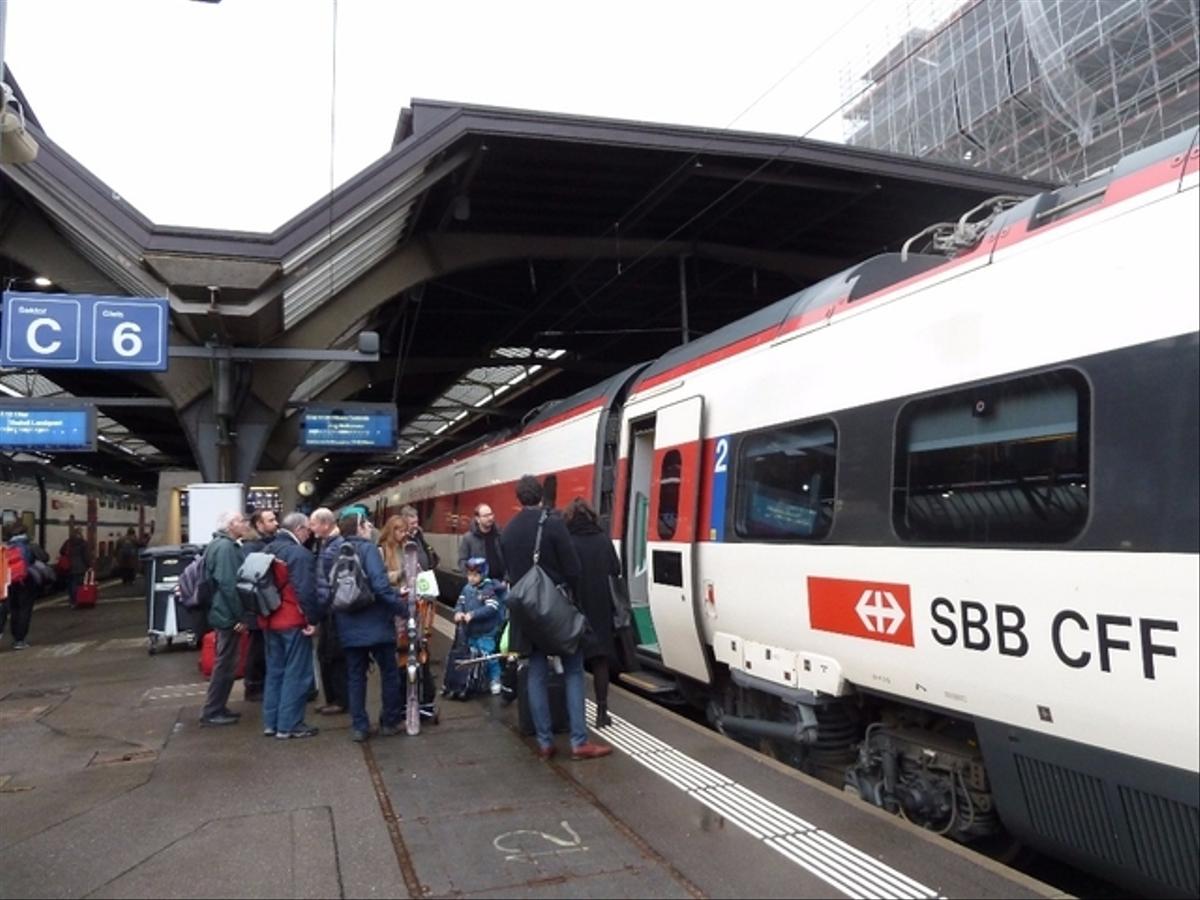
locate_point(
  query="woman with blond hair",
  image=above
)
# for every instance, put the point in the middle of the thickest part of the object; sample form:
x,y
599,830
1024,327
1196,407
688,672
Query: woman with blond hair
x,y
391,545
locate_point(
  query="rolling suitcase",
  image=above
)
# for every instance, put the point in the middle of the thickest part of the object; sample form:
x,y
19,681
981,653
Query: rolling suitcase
x,y
88,592
556,690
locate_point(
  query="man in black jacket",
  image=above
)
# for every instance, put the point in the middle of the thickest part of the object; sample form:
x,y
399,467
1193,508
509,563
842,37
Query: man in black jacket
x,y
558,558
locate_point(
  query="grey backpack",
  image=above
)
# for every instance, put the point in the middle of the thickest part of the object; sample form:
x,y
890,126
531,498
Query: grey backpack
x,y
349,587
256,584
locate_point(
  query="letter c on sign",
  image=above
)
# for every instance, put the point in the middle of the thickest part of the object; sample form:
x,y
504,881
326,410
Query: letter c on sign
x,y
31,336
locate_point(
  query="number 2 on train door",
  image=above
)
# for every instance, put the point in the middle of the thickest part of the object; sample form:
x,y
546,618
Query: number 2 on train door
x,y
716,515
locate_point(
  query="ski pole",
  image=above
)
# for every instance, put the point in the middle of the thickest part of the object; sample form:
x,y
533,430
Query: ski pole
x,y
482,659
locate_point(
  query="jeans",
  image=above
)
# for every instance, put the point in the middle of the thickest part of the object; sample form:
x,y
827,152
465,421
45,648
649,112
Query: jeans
x,y
289,674
229,645
486,645
539,700
389,677
73,583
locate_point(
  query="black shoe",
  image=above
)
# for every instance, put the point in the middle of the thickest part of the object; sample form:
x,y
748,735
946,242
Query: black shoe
x,y
358,737
602,719
231,712
219,719
389,730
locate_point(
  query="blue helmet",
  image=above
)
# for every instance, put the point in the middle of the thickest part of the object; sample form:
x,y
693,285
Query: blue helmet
x,y
477,564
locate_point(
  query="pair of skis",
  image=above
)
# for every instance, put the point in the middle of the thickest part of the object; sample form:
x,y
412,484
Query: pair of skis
x,y
414,635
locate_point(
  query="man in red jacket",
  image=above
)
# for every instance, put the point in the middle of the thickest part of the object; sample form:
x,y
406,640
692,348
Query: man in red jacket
x,y
288,632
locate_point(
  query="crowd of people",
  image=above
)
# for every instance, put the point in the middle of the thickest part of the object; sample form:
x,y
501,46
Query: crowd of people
x,y
315,554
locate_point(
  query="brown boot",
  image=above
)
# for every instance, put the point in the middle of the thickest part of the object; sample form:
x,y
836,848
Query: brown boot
x,y
590,751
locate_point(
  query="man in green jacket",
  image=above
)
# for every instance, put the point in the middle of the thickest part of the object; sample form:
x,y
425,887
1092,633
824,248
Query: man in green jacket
x,y
222,559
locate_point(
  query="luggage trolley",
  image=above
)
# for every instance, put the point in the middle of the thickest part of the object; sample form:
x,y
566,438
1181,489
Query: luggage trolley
x,y
167,618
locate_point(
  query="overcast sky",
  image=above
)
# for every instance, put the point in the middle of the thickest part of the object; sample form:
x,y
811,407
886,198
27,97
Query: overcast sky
x,y
220,115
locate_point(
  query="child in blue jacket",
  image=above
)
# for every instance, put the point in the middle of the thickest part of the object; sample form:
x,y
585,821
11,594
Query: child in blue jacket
x,y
479,610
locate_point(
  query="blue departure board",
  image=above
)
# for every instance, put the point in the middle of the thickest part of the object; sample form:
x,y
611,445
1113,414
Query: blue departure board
x,y
364,427
49,428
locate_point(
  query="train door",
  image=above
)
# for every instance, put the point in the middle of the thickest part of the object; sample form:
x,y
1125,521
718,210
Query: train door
x,y
460,517
664,520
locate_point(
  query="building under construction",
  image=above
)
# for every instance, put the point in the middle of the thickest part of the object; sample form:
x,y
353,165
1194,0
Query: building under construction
x,y
1037,88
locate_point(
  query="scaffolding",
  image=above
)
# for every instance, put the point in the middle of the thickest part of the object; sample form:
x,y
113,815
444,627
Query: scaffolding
x,y
1055,90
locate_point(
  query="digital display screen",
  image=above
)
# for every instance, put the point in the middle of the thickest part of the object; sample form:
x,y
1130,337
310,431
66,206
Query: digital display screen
x,y
368,427
47,428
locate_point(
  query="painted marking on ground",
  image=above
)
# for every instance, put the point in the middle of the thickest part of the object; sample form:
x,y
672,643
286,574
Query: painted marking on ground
x,y
137,643
175,691
843,867
61,650
510,843
103,601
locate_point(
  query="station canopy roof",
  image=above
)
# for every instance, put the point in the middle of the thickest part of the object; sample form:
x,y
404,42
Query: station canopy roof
x,y
506,258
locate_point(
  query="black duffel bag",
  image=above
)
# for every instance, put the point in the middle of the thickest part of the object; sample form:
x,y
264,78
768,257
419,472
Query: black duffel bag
x,y
542,609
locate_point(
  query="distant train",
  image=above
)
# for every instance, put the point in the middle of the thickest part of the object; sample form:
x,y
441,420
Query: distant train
x,y
104,517
935,518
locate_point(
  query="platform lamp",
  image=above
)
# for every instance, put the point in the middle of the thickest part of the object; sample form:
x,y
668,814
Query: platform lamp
x,y
17,145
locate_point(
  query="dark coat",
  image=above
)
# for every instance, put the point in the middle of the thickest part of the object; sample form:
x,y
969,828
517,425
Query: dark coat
x,y
222,558
558,558
427,557
490,547
78,554
302,572
597,560
375,624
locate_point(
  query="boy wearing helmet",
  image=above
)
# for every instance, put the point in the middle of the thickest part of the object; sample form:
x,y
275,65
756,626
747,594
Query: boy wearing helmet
x,y
479,610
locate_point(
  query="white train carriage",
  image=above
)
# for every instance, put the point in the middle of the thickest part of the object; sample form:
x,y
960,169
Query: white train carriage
x,y
103,517
939,515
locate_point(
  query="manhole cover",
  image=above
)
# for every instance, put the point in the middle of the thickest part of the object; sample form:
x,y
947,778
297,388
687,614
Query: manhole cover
x,y
119,757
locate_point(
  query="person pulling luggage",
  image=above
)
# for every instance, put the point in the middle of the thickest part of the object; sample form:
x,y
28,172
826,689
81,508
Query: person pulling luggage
x,y
557,557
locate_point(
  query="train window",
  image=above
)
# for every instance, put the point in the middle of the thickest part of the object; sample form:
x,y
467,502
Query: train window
x,y
1003,463
785,483
668,494
641,507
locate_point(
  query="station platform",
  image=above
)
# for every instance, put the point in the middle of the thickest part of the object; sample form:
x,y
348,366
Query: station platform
x,y
109,787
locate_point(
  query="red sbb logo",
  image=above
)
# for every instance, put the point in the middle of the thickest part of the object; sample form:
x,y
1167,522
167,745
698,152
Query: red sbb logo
x,y
865,609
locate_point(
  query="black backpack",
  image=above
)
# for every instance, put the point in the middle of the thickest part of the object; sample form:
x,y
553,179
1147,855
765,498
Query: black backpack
x,y
349,587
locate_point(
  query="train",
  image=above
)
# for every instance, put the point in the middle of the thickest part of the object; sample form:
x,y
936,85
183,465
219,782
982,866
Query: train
x,y
933,521
49,510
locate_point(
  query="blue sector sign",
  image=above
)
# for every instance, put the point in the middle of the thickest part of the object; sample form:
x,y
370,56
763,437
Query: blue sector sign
x,y
364,427
84,331
47,428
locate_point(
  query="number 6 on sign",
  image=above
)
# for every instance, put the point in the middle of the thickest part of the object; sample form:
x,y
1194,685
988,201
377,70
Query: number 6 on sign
x,y
127,339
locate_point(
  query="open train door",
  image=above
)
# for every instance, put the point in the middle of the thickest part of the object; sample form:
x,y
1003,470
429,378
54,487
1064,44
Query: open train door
x,y
674,498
